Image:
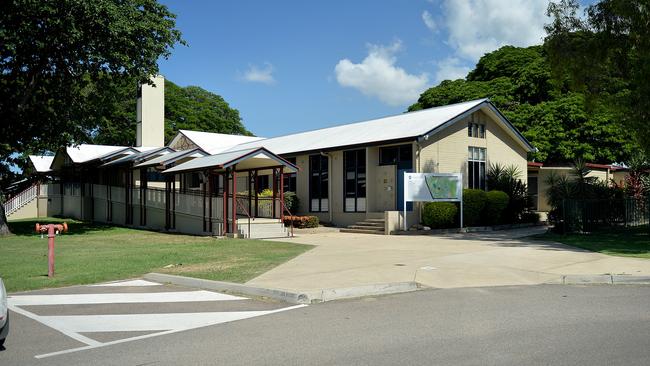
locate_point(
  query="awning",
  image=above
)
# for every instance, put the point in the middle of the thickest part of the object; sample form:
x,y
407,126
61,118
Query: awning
x,y
246,159
173,157
138,157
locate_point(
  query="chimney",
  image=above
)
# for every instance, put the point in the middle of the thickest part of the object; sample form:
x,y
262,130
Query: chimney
x,y
151,113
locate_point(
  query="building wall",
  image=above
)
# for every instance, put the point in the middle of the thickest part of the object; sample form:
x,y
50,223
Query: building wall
x,y
28,211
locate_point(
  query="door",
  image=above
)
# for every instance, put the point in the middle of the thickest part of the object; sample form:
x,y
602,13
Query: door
x,y
401,169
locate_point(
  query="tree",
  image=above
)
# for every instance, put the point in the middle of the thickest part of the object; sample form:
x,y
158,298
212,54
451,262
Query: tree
x,y
189,108
560,121
605,55
61,60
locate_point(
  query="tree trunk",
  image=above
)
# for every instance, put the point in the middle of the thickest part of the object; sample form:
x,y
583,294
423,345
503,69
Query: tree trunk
x,y
4,229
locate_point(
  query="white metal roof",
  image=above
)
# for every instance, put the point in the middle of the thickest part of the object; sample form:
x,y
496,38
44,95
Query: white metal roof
x,y
252,158
213,142
41,162
402,126
87,152
140,156
173,156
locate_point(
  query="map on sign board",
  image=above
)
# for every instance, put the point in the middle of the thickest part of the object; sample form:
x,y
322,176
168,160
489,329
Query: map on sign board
x,y
427,187
442,187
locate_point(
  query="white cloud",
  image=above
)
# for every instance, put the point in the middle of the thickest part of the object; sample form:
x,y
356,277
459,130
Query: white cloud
x,y
427,18
451,68
262,74
378,76
480,26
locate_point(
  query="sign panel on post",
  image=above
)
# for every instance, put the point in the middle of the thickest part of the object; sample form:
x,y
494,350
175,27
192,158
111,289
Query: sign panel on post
x,y
433,187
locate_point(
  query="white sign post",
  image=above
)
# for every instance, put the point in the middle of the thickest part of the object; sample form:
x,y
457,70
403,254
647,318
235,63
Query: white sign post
x,y
433,187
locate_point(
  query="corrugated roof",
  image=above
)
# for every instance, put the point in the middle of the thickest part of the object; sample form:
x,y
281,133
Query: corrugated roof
x,y
171,157
87,152
402,126
227,159
139,156
215,143
406,125
41,162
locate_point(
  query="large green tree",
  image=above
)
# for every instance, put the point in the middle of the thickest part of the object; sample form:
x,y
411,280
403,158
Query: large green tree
x,y
605,54
560,121
188,108
62,60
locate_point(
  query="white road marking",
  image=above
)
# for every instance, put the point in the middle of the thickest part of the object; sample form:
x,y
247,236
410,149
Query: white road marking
x,y
73,335
132,283
149,335
143,322
120,298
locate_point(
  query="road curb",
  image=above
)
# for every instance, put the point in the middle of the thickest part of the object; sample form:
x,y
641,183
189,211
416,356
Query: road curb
x,y
277,294
310,297
604,280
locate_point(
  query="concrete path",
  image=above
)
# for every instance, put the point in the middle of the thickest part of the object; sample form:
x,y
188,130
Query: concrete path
x,y
449,261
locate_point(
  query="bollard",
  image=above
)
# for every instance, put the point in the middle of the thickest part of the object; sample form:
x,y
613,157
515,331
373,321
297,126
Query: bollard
x,y
52,230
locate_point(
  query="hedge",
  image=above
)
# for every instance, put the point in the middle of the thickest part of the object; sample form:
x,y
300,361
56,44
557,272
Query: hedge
x,y
474,201
496,203
301,222
439,215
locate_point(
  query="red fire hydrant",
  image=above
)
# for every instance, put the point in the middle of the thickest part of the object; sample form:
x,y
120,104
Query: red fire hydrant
x,y
52,230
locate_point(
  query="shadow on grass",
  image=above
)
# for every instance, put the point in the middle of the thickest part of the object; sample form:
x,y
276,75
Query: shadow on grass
x,y
626,242
26,227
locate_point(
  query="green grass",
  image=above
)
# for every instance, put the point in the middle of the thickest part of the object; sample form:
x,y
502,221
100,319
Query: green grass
x,y
91,253
625,243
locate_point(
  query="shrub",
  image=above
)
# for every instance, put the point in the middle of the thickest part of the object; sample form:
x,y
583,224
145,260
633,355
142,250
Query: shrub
x,y
301,222
497,202
291,201
438,215
474,201
508,179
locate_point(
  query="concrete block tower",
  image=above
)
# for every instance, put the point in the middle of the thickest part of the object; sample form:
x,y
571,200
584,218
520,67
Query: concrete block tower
x,y
151,113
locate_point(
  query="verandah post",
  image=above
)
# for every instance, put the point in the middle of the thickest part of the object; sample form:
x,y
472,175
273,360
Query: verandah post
x,y
282,194
250,188
234,199
275,190
257,188
224,204
210,186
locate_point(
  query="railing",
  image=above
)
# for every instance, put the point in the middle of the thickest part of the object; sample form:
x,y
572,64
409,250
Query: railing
x,y
240,205
21,199
594,214
285,208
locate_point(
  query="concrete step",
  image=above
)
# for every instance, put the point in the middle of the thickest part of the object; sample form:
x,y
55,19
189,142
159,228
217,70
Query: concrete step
x,y
366,227
362,231
376,220
371,223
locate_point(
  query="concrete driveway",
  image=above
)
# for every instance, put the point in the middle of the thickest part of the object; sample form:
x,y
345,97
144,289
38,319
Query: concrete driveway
x,y
446,261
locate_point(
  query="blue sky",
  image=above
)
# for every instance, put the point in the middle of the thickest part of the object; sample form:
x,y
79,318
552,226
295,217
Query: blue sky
x,y
289,66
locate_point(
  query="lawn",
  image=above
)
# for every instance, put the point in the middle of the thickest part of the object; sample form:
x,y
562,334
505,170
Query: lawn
x,y
625,243
91,253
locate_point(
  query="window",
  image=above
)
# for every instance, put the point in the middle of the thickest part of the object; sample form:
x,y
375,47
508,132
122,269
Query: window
x,y
190,181
476,130
290,179
391,155
318,183
476,168
355,180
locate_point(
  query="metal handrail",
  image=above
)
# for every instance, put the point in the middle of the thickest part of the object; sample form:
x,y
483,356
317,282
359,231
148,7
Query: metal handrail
x,y
285,208
239,204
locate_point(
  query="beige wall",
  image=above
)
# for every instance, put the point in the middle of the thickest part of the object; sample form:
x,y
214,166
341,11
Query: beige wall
x,y
28,211
447,151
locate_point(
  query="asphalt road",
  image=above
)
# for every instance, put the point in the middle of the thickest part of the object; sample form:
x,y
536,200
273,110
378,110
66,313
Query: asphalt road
x,y
527,325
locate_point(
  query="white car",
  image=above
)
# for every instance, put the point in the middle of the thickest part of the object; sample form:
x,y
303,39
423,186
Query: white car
x,y
4,314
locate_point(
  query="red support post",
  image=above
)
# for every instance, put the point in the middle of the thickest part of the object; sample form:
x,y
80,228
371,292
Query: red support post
x,y
257,188
275,190
225,203
282,194
234,199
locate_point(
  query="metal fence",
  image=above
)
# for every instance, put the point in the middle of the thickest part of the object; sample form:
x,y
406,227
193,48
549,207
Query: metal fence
x,y
594,214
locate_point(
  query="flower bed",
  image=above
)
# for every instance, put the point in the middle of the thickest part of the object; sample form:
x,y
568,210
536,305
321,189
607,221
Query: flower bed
x,y
301,222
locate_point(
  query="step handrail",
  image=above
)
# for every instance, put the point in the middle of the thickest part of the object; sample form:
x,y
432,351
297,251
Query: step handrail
x,y
285,208
239,204
14,203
